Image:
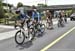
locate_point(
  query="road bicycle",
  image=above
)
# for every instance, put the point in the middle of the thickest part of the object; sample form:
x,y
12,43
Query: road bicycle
x,y
60,22
23,34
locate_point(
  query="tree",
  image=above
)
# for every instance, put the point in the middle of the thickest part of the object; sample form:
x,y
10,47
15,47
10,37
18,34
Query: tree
x,y
42,5
19,5
34,7
7,5
1,10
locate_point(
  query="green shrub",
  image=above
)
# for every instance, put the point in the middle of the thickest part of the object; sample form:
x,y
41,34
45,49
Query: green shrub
x,y
1,10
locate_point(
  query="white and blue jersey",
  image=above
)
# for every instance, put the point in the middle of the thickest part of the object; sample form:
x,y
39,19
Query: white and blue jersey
x,y
22,17
36,15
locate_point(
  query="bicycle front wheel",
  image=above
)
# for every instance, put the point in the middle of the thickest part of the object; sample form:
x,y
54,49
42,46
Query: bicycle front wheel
x,y
19,37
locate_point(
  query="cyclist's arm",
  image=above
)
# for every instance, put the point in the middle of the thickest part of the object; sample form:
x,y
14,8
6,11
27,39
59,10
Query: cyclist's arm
x,y
38,17
32,15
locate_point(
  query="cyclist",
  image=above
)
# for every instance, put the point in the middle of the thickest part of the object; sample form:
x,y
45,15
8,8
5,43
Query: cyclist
x,y
49,18
36,16
20,18
60,20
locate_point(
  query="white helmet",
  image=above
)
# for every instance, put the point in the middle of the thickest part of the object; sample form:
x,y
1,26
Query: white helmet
x,y
35,9
47,10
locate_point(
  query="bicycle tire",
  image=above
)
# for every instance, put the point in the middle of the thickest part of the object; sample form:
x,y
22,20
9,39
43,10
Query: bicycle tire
x,y
20,43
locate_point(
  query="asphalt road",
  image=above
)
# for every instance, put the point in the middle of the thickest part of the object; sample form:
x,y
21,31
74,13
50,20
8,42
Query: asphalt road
x,y
66,44
41,42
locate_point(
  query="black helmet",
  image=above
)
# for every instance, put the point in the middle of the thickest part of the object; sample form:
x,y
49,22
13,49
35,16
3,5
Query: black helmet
x,y
17,11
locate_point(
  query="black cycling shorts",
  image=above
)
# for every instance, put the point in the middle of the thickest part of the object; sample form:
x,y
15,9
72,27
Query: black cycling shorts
x,y
36,18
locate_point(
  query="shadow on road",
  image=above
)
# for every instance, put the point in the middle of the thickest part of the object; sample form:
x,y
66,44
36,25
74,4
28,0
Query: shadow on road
x,y
40,35
25,45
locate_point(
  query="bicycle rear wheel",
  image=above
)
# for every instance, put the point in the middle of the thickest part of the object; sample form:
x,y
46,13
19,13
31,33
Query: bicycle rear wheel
x,y
31,34
43,28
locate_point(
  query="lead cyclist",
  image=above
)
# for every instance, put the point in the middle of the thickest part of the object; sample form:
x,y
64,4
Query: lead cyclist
x,y
21,19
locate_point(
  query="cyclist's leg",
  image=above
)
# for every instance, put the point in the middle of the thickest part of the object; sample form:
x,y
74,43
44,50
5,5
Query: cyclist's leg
x,y
51,24
17,22
61,22
47,22
27,22
36,22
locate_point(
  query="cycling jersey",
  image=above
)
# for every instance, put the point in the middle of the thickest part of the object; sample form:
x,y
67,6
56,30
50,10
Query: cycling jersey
x,y
22,17
49,16
36,16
